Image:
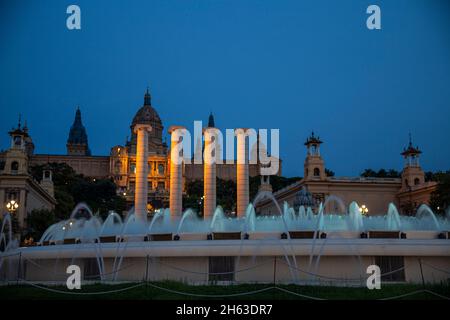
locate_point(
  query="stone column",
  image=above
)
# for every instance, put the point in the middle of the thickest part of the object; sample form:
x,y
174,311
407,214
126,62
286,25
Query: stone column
x,y
242,172
209,172
176,172
141,188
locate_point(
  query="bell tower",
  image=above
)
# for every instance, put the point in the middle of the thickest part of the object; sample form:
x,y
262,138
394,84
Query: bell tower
x,y
412,174
16,160
314,167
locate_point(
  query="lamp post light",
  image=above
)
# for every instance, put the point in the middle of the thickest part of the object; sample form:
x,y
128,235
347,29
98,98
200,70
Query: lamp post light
x,y
12,206
364,210
200,203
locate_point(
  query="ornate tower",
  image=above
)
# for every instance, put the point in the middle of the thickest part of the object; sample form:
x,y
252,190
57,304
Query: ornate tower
x,y
77,143
412,174
16,159
314,167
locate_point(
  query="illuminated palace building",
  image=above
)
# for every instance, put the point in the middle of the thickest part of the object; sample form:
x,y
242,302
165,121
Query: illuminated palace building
x,y
120,165
15,182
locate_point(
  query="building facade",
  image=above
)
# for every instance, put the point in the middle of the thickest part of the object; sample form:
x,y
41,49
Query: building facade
x,y
120,164
407,192
17,185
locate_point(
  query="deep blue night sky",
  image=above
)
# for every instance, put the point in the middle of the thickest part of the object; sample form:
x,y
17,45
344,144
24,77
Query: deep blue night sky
x,y
292,65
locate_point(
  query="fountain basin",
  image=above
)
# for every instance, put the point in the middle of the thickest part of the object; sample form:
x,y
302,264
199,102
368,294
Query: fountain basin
x,y
422,234
133,238
343,234
107,239
269,247
226,235
383,234
255,235
190,236
160,237
308,234
71,241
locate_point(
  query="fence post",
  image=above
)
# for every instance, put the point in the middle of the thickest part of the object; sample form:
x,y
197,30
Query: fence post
x,y
275,271
19,268
421,272
146,269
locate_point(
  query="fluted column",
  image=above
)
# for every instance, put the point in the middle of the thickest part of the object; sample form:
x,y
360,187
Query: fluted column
x,y
176,172
141,187
242,183
209,172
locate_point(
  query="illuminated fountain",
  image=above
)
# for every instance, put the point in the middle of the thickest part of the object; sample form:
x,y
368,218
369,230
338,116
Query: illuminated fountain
x,y
175,245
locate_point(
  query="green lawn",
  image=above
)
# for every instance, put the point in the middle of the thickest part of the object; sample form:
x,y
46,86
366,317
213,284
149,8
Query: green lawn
x,y
150,291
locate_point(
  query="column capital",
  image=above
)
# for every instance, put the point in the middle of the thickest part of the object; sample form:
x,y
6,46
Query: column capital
x,y
210,130
239,131
173,128
142,126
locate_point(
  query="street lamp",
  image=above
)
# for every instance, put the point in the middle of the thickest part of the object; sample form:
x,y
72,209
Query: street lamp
x,y
12,206
364,210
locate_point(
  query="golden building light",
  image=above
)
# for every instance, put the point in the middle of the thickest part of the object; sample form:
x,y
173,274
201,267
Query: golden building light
x,y
12,206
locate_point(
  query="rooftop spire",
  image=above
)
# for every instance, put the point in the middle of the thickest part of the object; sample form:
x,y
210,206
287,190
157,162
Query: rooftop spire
x,y
211,123
313,139
410,150
78,137
147,98
20,121
77,121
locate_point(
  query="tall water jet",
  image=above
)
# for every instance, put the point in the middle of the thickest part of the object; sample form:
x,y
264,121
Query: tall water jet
x,y
189,213
356,219
209,171
176,171
218,218
393,218
242,183
426,209
141,188
302,213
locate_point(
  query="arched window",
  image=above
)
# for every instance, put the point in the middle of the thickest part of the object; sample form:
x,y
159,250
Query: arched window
x,y
117,166
14,167
316,172
416,181
132,168
160,169
406,182
17,140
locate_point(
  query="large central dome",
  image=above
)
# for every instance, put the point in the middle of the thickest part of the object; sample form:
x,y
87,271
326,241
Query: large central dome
x,y
148,115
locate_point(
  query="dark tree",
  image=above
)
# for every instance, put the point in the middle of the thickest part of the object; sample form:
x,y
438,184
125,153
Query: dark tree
x,y
38,221
382,173
440,199
72,188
